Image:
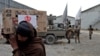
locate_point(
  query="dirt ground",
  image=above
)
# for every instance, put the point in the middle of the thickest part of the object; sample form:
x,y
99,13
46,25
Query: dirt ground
x,y
85,48
62,48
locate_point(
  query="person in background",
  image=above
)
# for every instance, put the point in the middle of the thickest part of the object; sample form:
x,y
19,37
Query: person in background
x,y
68,33
6,36
90,32
25,42
77,34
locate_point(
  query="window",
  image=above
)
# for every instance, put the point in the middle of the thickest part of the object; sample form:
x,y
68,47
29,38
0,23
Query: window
x,y
61,25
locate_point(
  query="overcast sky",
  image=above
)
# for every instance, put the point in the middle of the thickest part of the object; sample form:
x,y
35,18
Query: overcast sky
x,y
56,7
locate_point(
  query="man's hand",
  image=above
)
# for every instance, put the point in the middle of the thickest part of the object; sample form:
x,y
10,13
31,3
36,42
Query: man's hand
x,y
13,41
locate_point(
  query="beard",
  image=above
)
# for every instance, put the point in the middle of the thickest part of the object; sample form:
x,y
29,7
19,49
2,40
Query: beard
x,y
24,44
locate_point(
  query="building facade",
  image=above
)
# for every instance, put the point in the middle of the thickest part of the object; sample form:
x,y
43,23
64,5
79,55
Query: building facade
x,y
58,22
91,16
10,4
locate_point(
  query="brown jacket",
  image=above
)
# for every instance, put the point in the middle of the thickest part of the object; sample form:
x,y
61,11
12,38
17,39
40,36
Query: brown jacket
x,y
77,31
35,48
69,30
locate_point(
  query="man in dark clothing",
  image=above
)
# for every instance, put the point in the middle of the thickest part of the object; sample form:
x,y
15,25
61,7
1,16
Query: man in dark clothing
x,y
90,32
26,42
68,33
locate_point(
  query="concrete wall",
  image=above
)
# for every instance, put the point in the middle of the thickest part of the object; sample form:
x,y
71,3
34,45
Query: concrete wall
x,y
60,20
90,17
97,26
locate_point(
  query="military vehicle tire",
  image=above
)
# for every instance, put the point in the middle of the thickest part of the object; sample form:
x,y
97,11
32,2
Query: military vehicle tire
x,y
50,39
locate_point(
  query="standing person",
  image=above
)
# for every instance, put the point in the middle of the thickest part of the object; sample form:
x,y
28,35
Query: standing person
x,y
77,34
26,42
90,32
73,28
69,32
